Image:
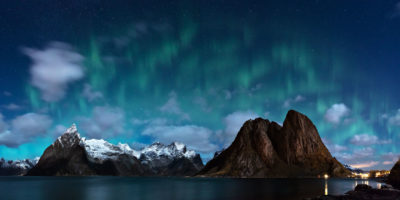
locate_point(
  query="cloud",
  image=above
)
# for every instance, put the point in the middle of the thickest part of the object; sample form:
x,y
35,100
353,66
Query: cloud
x,y
12,106
195,137
138,145
53,69
363,153
59,130
388,162
290,101
172,107
335,113
357,155
202,102
105,122
365,165
7,94
367,139
227,94
24,128
396,11
233,122
91,95
358,158
364,139
152,122
390,158
3,124
336,148
395,119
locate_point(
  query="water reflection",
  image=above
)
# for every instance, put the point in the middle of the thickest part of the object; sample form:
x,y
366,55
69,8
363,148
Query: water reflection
x,y
105,188
326,187
366,181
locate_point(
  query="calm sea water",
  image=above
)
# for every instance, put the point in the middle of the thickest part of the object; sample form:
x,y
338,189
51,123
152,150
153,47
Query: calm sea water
x,y
121,188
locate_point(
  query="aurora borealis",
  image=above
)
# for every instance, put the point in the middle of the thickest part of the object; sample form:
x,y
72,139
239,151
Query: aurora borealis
x,y
193,71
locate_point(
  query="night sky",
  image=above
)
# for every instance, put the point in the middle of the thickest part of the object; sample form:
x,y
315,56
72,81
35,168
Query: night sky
x,y
193,71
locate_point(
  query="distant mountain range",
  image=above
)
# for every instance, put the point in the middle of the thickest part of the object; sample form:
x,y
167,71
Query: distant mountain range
x,y
266,149
355,170
260,149
72,155
17,167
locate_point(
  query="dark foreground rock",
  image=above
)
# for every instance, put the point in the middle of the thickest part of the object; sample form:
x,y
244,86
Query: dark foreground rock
x,y
394,176
266,149
364,192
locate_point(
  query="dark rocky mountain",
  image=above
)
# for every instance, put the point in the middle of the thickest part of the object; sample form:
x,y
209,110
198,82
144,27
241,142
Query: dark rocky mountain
x,y
266,149
394,176
16,167
71,155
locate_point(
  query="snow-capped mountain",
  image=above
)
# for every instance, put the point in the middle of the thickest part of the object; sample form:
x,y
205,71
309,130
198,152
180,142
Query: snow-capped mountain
x,y
355,170
16,167
163,159
72,154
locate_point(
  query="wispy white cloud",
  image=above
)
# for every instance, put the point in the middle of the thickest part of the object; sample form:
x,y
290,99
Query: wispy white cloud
x,y
394,120
365,164
390,158
54,68
289,102
90,94
12,106
105,122
202,102
3,124
150,122
336,113
23,129
7,93
172,107
364,139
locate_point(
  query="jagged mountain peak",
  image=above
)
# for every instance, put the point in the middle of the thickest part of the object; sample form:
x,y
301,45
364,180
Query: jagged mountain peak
x,y
294,114
175,149
72,129
69,138
99,150
72,155
267,149
179,146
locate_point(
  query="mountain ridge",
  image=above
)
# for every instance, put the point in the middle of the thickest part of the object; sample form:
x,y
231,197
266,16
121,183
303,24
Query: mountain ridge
x,y
70,154
265,149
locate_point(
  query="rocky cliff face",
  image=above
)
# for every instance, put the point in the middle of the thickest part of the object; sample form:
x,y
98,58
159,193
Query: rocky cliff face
x,y
72,155
265,149
394,176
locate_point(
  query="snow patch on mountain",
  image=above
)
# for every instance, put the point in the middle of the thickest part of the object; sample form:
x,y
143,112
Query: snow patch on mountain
x,y
175,149
16,167
22,164
70,137
99,150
